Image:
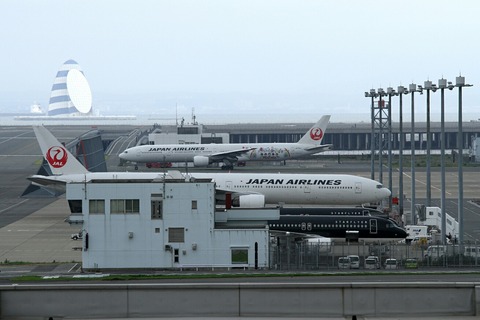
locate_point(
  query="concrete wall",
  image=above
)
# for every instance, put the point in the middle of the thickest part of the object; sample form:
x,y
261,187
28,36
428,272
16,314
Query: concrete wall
x,y
259,299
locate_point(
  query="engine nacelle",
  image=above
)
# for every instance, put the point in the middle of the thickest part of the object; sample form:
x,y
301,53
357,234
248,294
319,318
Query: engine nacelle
x,y
201,161
249,201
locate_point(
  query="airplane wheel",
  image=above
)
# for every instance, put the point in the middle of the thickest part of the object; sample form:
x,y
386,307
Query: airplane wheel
x,y
136,167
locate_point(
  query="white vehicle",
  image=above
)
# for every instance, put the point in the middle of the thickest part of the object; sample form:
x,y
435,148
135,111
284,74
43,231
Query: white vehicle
x,y
76,236
416,233
230,153
245,189
391,264
354,261
472,251
372,262
344,263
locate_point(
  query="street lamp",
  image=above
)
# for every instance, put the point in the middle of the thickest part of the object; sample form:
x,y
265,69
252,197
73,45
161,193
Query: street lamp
x,y
429,86
412,89
381,93
390,92
372,94
401,91
442,85
460,83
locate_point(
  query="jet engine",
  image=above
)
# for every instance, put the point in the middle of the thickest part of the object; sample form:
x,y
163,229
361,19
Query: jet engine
x,y
249,201
201,161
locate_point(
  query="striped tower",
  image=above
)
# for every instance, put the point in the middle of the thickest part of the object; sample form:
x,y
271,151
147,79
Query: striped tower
x,y
71,95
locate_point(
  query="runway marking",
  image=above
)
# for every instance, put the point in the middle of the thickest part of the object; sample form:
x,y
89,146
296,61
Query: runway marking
x,y
20,155
421,182
13,206
16,137
74,266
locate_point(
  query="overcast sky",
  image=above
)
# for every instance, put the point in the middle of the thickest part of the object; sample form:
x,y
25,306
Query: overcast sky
x,y
300,59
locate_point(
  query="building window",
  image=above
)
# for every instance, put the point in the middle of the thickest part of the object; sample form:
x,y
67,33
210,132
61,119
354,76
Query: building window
x,y
239,255
96,206
176,234
194,204
124,206
157,206
75,206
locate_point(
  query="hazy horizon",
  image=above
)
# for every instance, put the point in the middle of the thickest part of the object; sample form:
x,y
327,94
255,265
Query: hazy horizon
x,y
240,59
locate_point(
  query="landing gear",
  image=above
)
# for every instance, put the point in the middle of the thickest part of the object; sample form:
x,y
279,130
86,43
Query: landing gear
x,y
227,167
136,167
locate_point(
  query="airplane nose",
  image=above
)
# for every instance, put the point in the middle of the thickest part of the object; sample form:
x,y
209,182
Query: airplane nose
x,y
387,192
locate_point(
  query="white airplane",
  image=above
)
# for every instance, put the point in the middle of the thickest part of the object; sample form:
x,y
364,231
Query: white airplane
x,y
229,153
244,189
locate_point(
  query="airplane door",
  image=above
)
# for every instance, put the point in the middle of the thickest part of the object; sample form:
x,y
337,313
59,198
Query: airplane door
x,y
228,185
358,187
306,189
373,226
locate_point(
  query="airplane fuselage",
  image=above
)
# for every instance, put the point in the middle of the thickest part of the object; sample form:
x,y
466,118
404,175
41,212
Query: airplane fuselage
x,y
328,189
340,228
319,189
186,153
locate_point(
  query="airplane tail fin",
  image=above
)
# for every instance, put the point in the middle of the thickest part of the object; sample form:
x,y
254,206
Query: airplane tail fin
x,y
60,160
315,134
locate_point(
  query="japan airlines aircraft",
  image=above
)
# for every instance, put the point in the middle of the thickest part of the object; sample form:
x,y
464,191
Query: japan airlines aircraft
x,y
240,189
204,154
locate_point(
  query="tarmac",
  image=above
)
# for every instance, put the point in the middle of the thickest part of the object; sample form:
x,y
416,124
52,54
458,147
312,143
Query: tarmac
x,y
41,237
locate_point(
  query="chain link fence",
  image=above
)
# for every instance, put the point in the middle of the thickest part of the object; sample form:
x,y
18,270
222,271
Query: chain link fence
x,y
288,254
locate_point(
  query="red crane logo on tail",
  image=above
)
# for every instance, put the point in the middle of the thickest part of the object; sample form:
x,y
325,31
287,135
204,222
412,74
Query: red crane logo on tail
x,y
57,157
316,134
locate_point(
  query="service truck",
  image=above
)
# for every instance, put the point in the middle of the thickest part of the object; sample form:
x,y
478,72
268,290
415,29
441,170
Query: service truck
x,y
416,233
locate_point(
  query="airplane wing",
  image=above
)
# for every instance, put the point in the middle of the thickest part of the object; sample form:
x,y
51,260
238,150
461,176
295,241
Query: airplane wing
x,y
298,235
234,193
321,148
229,155
40,180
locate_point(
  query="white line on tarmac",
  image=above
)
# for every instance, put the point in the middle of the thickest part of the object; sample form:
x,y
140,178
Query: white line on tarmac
x,y
13,206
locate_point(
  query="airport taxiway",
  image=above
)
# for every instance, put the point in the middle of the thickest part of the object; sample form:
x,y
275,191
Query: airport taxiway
x,y
33,229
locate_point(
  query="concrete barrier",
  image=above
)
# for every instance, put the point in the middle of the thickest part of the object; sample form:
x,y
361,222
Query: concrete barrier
x,y
74,300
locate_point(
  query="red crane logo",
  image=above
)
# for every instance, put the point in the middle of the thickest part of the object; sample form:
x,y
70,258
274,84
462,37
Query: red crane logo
x,y
316,134
57,157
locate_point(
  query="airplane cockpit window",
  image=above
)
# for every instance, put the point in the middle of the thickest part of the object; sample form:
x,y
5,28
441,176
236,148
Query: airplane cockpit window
x,y
379,186
125,151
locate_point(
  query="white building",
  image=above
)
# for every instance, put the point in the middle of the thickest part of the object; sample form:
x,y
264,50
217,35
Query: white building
x,y
166,223
187,134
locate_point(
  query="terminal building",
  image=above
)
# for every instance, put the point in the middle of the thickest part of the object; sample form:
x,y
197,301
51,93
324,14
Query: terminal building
x,y
166,223
345,137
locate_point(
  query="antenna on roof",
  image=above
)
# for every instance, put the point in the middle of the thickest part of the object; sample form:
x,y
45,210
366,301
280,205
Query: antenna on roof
x,y
193,117
176,114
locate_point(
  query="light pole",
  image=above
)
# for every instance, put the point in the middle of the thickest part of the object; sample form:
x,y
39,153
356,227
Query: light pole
x,y
442,85
390,92
413,88
372,94
381,93
460,83
429,86
401,91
